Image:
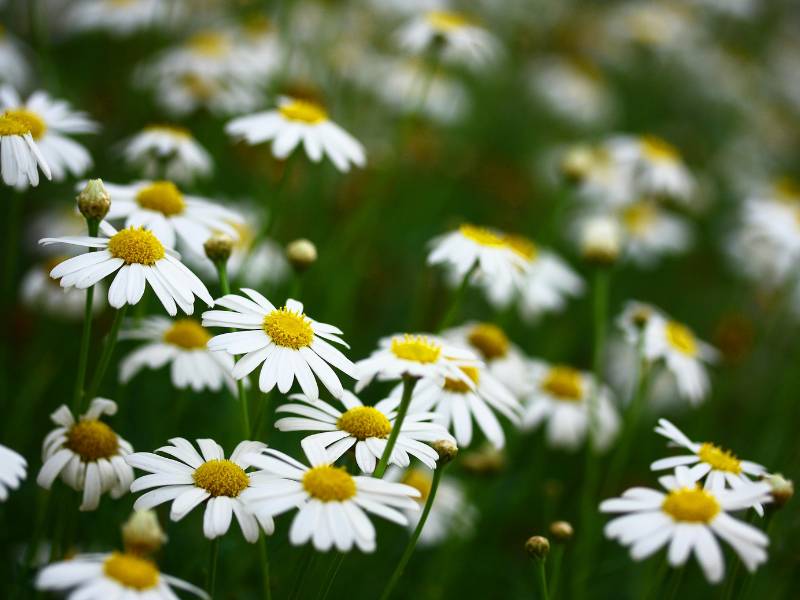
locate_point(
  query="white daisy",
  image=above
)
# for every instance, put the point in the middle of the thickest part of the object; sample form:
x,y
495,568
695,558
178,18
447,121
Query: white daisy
x,y
139,257
13,469
87,454
296,121
651,232
688,518
604,175
51,122
112,575
212,479
120,17
20,156
365,427
41,292
14,67
563,396
284,340
659,169
182,345
169,151
183,94
330,502
720,468
172,216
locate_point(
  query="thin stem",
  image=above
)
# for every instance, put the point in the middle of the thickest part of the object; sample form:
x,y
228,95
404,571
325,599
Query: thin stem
x,y
12,244
555,571
456,300
412,543
108,351
541,578
264,562
211,573
408,388
305,562
332,573
83,357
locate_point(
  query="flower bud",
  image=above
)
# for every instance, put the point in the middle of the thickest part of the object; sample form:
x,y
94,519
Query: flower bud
x,y
782,489
94,201
576,163
301,253
537,547
446,450
218,247
142,533
601,240
561,531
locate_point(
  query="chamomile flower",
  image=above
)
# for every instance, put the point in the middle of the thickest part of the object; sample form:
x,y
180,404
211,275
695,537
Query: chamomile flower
x,y
720,468
603,174
182,345
563,398
196,479
87,454
169,151
20,155
50,123
171,215
458,38
331,503
364,427
296,121
119,17
182,94
650,233
137,256
689,519
284,341
659,169
14,67
39,291
13,469
112,575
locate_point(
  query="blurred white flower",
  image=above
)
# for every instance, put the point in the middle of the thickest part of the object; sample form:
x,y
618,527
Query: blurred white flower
x,y
40,292
13,469
14,67
120,17
167,151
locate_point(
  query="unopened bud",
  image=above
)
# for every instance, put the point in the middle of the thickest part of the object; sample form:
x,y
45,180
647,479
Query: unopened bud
x,y
537,547
301,253
447,451
601,239
94,201
782,489
218,247
561,531
142,533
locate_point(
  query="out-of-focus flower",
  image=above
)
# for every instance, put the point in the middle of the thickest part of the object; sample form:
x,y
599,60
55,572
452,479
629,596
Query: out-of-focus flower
x,y
14,68
120,17
40,292
142,533
600,239
167,151
658,168
186,93
650,232
735,8
13,469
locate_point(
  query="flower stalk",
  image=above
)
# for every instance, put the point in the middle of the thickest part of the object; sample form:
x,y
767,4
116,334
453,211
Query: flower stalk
x,y
408,388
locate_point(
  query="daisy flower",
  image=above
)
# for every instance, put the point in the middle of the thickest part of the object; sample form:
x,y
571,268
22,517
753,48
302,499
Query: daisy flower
x,y
41,292
296,121
331,503
462,40
112,575
365,427
20,155
651,232
87,454
181,94
14,68
167,150
562,398
119,17
13,468
196,479
720,468
604,178
161,207
286,342
659,169
689,519
137,256
182,345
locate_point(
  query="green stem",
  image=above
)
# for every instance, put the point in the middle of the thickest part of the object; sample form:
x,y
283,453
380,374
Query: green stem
x,y
83,358
412,543
305,562
408,388
12,245
332,573
211,573
674,583
108,351
541,578
264,562
457,299
555,574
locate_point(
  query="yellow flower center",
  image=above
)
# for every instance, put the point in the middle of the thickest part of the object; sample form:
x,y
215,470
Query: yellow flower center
x,y
21,121
638,217
136,246
681,338
462,387
199,88
416,348
304,111
329,484
444,21
693,505
523,246
657,149
420,481
172,130
163,197
288,328
641,316
482,236
719,459
92,440
365,422
131,571
564,383
209,43
489,340
221,477
188,334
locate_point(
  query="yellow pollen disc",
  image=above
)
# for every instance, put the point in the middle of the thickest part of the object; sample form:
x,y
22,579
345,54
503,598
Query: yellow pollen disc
x,y
693,505
329,484
131,571
641,316
462,387
638,217
681,338
303,111
365,422
188,334
565,383
21,121
482,236
657,149
173,130
420,481
136,246
92,440
523,246
221,477
163,197
719,459
444,21
489,340
416,348
202,89
208,43
288,328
